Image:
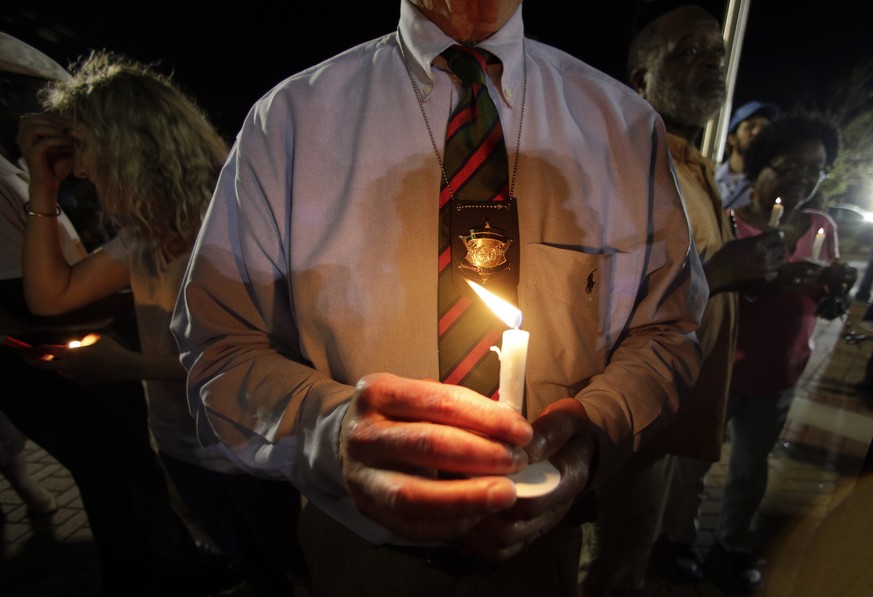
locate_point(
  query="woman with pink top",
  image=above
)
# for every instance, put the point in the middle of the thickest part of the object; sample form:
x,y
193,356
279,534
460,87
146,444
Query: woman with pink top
x,y
785,163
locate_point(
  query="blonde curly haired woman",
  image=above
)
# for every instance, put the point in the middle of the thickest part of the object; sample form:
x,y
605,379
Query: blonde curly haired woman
x,y
153,158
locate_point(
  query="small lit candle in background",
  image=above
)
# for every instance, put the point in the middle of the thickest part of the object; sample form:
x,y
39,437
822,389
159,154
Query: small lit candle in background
x,y
86,341
776,213
818,244
48,352
513,352
54,351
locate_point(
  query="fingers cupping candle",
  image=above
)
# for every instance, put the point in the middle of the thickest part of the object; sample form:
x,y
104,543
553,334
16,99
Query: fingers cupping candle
x,y
513,352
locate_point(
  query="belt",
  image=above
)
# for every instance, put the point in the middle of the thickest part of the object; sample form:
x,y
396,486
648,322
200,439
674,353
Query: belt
x,y
446,558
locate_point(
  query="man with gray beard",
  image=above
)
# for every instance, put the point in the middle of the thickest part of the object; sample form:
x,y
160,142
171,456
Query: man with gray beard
x,y
677,64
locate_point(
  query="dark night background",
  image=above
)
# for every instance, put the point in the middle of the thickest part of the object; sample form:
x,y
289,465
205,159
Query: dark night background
x,y
226,59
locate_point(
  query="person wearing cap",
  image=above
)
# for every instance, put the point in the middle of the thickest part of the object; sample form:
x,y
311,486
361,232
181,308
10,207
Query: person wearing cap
x,y
98,432
745,124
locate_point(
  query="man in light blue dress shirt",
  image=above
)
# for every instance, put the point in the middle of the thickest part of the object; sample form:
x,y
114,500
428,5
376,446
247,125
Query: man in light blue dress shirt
x,y
308,320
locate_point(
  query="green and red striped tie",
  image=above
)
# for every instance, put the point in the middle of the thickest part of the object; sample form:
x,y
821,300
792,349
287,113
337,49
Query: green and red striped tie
x,y
475,164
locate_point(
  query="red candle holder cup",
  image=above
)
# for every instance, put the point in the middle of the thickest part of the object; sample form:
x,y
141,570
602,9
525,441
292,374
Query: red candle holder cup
x,y
43,352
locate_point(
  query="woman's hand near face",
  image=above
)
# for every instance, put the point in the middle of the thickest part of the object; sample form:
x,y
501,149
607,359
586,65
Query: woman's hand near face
x,y
48,152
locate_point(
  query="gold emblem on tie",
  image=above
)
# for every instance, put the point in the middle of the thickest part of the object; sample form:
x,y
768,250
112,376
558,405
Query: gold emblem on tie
x,y
486,253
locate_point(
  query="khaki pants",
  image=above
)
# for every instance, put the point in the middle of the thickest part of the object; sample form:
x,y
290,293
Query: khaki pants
x,y
630,506
342,564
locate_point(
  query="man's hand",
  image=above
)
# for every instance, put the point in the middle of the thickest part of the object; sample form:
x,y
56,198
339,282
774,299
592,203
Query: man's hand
x,y
793,276
400,435
743,263
838,277
563,434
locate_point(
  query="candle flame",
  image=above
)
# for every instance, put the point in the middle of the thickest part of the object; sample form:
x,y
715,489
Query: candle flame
x,y
507,313
86,341
821,231
778,201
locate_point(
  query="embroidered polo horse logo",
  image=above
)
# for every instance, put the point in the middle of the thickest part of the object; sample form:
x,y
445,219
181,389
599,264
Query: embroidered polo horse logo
x,y
589,284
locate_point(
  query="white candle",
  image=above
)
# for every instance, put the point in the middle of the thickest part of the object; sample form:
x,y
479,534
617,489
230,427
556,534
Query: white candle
x,y
818,244
513,360
776,213
541,477
513,352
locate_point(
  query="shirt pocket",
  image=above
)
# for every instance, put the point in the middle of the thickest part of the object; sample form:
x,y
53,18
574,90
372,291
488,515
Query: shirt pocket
x,y
575,305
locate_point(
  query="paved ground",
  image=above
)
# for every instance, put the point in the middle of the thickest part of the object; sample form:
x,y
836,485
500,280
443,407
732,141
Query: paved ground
x,y
812,471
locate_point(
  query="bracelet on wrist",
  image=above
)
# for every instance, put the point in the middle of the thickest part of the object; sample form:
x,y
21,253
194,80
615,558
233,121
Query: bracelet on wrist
x,y
39,214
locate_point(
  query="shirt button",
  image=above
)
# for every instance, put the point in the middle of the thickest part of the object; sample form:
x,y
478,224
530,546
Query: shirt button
x,y
427,89
507,92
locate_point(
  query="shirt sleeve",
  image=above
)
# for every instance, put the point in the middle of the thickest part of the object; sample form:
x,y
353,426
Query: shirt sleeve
x,y
656,362
252,392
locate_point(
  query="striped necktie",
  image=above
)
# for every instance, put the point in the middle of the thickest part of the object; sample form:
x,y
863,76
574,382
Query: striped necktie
x,y
475,165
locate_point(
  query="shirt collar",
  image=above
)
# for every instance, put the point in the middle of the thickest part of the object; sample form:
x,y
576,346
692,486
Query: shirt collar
x,y
683,151
424,42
